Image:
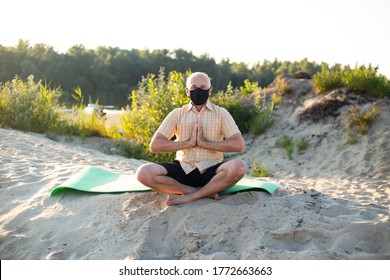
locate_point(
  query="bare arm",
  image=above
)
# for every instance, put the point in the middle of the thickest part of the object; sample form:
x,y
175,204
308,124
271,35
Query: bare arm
x,y
160,143
233,144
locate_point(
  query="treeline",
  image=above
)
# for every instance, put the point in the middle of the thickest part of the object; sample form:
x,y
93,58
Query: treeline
x,y
108,74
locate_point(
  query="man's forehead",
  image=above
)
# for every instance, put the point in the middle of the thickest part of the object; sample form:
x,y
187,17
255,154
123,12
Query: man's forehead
x,y
198,80
199,83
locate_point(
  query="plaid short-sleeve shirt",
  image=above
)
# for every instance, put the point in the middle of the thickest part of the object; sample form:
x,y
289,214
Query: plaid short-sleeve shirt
x,y
216,124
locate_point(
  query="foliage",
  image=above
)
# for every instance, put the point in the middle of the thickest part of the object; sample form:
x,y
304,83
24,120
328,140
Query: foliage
x,y
109,74
359,121
29,106
131,149
283,87
85,124
327,80
242,110
302,145
360,80
151,103
260,170
79,98
249,87
287,143
276,99
367,80
352,137
265,114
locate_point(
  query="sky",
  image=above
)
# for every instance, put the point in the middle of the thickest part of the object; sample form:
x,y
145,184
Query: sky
x,y
350,32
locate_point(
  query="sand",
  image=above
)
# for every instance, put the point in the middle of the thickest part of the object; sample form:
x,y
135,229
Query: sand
x,y
333,201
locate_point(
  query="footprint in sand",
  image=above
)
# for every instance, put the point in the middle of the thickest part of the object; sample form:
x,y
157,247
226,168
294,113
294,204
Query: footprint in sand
x,y
338,210
149,204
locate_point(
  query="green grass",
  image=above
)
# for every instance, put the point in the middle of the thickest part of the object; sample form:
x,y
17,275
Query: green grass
x,y
302,145
287,143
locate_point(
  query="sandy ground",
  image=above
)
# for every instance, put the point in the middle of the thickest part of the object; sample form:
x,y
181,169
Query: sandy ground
x,y
333,201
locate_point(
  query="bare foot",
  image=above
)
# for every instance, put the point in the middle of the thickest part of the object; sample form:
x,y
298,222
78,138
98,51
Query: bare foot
x,y
174,199
213,196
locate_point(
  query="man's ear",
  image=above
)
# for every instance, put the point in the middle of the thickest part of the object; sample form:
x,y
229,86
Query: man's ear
x,y
210,91
187,92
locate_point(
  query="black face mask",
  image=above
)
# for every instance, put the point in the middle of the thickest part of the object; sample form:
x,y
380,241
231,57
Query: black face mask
x,y
199,96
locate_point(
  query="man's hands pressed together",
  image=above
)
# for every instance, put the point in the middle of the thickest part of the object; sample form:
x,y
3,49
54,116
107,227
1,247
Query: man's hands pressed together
x,y
197,138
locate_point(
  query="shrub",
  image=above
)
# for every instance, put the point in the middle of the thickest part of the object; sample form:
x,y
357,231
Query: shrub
x,y
360,121
29,106
260,170
131,149
249,87
360,80
367,80
327,80
240,107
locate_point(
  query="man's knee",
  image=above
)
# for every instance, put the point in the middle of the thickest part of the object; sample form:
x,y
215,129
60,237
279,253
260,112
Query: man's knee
x,y
237,168
240,167
146,173
143,173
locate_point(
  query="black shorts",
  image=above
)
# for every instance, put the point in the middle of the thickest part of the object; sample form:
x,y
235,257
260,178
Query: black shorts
x,y
194,178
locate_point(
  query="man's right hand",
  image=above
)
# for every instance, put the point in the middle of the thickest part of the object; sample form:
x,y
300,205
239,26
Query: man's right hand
x,y
192,139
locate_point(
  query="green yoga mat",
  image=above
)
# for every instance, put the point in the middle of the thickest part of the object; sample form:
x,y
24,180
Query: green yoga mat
x,y
94,179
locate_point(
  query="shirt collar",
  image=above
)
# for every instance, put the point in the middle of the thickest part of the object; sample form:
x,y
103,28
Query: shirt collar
x,y
192,107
